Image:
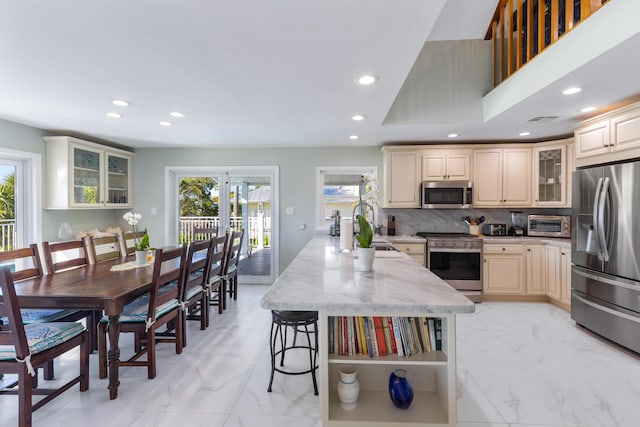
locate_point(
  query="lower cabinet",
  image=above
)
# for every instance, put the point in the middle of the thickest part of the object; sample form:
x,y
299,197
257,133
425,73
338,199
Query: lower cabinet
x,y
432,375
503,269
553,272
535,259
565,276
414,250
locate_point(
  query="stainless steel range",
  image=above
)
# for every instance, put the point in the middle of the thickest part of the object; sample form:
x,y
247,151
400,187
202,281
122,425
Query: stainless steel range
x,y
457,259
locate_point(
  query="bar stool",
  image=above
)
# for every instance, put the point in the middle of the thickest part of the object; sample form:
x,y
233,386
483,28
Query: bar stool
x,y
301,321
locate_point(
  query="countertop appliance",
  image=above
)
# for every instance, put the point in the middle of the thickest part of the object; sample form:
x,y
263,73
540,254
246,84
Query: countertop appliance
x,y
446,194
549,225
519,223
494,229
605,251
456,258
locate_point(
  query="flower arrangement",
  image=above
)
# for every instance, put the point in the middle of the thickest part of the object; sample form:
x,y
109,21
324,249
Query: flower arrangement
x,y
371,189
365,236
133,219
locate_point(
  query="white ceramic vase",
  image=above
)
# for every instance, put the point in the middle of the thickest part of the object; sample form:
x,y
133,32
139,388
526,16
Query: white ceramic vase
x,y
141,257
365,258
348,388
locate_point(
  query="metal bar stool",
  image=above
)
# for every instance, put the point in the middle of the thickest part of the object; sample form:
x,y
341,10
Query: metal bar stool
x,y
301,321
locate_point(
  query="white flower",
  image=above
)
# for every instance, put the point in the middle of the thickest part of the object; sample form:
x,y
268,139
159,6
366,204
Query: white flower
x,y
132,218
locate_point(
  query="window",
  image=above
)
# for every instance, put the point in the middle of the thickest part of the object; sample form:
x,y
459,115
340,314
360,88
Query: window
x,y
338,190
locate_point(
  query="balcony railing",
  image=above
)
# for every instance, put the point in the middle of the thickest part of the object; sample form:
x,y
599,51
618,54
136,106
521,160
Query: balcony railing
x,y
258,228
521,29
7,234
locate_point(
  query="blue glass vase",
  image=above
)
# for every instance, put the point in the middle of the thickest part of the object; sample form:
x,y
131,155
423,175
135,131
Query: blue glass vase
x,y
400,390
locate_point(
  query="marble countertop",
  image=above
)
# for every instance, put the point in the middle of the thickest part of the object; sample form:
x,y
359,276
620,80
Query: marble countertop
x,y
323,278
565,243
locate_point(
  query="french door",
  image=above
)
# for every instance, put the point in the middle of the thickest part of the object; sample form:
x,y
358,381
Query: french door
x,y
230,199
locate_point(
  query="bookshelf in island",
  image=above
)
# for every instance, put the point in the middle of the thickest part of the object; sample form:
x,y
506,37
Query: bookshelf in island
x,y
399,293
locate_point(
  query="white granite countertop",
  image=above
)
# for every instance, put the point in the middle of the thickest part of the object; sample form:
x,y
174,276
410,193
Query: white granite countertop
x,y
404,238
565,243
324,279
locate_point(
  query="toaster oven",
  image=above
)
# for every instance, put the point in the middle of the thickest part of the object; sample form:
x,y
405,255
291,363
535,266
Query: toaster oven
x,y
549,226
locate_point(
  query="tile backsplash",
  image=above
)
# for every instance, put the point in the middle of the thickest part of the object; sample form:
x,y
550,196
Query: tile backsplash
x,y
410,221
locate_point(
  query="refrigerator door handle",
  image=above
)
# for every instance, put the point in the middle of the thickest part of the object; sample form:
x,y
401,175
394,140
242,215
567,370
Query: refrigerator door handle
x,y
596,199
601,236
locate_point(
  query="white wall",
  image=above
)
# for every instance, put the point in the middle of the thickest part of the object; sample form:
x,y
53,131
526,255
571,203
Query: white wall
x,y
297,182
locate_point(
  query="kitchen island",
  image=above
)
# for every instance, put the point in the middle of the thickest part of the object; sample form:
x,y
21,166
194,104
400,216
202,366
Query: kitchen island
x,y
324,279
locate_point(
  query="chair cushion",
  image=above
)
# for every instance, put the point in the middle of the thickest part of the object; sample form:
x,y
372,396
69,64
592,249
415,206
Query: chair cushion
x,y
39,315
193,291
43,336
136,310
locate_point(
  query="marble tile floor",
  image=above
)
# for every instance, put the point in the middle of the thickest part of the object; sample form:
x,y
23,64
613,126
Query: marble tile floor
x,y
519,364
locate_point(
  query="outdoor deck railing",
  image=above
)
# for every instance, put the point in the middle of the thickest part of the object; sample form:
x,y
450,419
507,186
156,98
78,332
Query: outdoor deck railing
x,y
7,234
256,234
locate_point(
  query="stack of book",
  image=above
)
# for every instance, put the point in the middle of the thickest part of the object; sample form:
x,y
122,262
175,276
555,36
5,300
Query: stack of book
x,y
379,336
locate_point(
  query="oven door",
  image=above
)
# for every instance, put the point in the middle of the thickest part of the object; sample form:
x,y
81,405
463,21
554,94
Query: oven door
x,y
461,268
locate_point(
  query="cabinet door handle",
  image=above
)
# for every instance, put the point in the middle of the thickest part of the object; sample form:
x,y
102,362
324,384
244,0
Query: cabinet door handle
x,y
562,253
504,249
528,250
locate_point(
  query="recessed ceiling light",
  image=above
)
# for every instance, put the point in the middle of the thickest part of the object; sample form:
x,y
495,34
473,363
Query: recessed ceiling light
x,y
588,109
120,102
367,79
571,90
452,135
525,133
165,123
354,137
114,115
177,114
358,117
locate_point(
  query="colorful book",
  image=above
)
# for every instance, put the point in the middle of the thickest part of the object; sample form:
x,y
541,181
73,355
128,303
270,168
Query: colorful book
x,y
356,333
407,334
438,323
331,339
374,339
418,331
425,333
363,340
367,335
432,333
392,336
387,335
350,335
382,347
345,336
336,335
398,335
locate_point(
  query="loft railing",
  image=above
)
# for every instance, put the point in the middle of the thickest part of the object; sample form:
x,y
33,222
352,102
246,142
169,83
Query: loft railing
x,y
521,29
7,234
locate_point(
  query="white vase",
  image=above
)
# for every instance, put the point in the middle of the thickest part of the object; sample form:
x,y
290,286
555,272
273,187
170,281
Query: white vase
x,y
365,258
348,388
141,257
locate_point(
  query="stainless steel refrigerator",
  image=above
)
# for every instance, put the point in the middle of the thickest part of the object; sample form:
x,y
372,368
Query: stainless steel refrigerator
x,y
605,241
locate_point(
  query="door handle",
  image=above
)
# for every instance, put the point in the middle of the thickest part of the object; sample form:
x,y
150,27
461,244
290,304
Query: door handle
x,y
596,200
601,203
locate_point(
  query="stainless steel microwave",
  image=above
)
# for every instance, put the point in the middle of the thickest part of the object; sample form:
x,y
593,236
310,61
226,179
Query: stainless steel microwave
x,y
446,194
549,226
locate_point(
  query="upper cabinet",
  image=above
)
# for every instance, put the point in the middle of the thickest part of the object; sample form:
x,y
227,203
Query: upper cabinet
x,y
446,165
610,137
502,177
84,175
550,175
401,178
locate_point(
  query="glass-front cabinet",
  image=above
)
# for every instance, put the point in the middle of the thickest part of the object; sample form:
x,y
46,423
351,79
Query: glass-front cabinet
x,y
550,175
82,174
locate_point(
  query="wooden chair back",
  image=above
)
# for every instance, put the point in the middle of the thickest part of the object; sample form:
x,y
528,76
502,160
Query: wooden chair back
x,y
13,333
218,257
26,262
104,248
128,240
73,253
197,265
236,248
204,233
168,267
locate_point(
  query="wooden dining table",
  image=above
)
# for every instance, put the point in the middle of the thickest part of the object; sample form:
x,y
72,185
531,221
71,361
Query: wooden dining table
x,y
93,287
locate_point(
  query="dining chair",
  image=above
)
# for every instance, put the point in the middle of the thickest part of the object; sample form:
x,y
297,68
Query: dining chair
x,y
215,281
105,248
232,264
194,297
128,240
24,264
144,315
60,256
204,233
24,348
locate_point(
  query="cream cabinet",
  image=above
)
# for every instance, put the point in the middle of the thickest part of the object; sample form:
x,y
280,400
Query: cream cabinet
x,y
446,165
413,249
401,179
84,175
535,259
554,278
565,276
550,165
503,269
502,177
610,137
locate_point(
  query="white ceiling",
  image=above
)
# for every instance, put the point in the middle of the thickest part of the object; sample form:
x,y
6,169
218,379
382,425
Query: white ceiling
x,y
245,72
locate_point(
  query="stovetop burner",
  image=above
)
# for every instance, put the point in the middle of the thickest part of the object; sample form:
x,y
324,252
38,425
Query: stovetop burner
x,y
427,234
